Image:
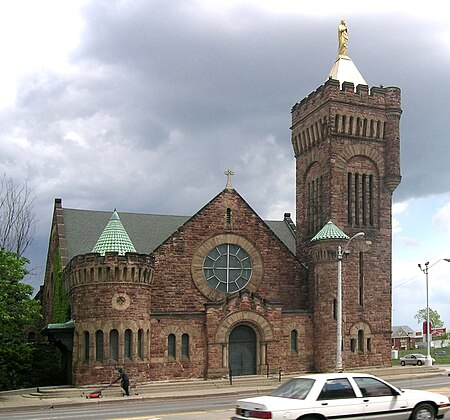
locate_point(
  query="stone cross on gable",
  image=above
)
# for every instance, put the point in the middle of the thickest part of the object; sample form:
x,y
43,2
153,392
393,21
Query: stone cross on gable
x,y
229,173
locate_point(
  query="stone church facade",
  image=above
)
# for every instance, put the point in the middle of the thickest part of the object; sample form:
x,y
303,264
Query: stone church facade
x,y
224,291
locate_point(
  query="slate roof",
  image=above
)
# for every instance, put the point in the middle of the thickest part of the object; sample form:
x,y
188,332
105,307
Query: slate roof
x,y
146,231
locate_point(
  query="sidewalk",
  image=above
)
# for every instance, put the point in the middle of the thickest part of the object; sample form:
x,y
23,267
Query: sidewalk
x,y
50,397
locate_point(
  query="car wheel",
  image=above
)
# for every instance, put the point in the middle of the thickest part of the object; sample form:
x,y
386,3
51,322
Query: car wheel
x,y
402,363
423,412
309,418
419,363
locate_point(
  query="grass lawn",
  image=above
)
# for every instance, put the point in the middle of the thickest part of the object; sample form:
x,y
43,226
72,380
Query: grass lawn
x,y
440,359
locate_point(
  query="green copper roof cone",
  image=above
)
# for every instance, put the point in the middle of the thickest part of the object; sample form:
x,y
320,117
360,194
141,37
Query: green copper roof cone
x,y
329,231
114,238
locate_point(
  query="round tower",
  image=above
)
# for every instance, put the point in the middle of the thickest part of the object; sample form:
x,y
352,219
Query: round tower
x,y
109,296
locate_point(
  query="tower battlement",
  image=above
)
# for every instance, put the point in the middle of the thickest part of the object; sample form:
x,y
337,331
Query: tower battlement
x,y
332,110
361,95
93,268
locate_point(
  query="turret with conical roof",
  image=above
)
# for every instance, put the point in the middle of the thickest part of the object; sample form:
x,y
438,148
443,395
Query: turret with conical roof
x,y
114,238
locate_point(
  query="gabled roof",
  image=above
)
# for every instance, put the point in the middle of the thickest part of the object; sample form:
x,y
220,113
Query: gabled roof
x,y
402,331
114,238
329,231
146,231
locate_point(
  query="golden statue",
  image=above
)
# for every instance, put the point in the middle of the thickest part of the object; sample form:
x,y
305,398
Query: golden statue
x,y
342,38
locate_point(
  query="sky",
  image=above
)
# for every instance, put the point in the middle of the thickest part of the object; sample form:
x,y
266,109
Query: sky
x,y
143,105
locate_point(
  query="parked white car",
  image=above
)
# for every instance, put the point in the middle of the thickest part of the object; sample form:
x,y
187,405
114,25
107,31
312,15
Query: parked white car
x,y
353,396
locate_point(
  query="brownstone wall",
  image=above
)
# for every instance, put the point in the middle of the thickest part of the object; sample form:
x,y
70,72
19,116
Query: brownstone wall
x,y
335,131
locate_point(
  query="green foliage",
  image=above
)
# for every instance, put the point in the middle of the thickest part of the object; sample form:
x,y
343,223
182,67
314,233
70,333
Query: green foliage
x,y
46,366
17,309
434,316
15,365
61,307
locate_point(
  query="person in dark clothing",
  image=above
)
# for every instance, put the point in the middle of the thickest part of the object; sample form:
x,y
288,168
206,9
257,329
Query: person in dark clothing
x,y
124,381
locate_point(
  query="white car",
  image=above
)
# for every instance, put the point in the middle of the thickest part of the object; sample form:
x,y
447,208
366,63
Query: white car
x,y
342,396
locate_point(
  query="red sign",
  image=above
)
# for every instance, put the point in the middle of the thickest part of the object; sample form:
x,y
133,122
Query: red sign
x,y
438,331
424,328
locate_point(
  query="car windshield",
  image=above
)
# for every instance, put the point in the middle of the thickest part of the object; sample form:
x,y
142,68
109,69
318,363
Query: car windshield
x,y
294,388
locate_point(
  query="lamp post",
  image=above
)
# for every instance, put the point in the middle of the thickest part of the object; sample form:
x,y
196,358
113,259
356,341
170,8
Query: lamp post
x,y
428,360
340,255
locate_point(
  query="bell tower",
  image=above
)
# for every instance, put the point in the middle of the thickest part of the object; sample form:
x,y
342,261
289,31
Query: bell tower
x,y
346,141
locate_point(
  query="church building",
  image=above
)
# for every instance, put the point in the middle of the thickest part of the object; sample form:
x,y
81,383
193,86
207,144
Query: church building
x,y
223,291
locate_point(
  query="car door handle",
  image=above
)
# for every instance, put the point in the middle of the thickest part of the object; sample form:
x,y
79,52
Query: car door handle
x,y
324,403
366,400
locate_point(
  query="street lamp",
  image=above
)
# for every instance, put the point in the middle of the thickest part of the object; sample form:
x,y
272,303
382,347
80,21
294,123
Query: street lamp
x,y
428,361
340,254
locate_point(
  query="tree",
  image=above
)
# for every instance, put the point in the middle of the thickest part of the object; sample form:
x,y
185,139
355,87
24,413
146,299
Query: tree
x,y
17,310
17,219
435,318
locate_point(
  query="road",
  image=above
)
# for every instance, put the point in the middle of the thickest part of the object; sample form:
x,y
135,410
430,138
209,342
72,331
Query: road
x,y
213,408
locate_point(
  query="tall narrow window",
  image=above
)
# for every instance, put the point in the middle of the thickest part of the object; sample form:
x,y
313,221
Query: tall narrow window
x,y
361,341
128,344
171,346
349,198
350,125
86,346
356,199
99,346
294,340
371,200
344,123
369,344
185,346
114,345
140,344
361,279
335,309
352,345
364,199
228,216
336,123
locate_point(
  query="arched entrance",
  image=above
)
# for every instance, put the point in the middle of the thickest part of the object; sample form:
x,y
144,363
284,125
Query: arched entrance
x,y
242,351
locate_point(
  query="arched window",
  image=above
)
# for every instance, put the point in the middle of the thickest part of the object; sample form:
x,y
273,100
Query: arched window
x,y
128,344
294,339
171,346
114,345
99,346
140,344
185,346
86,346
